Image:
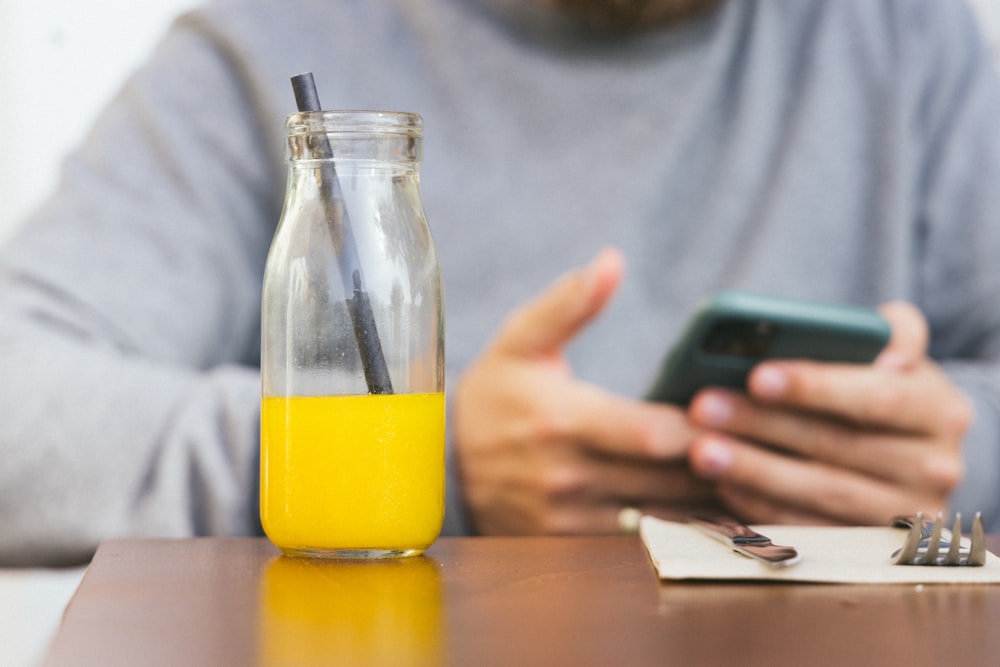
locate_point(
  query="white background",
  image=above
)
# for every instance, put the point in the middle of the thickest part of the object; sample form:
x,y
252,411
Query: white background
x,y
60,62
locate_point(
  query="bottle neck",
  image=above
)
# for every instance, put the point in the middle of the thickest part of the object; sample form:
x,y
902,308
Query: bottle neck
x,y
383,136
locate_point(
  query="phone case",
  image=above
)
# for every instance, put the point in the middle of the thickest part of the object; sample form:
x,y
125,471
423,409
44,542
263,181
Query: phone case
x,y
732,331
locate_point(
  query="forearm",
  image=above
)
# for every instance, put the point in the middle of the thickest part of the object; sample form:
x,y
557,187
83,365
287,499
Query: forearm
x,y
97,445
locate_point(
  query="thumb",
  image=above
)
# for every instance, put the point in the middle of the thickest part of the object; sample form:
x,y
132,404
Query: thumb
x,y
549,321
910,335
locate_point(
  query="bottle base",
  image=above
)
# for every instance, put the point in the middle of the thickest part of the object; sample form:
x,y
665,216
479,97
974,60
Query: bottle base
x,y
352,554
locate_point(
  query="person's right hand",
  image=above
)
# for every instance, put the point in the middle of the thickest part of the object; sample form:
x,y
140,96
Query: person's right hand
x,y
542,452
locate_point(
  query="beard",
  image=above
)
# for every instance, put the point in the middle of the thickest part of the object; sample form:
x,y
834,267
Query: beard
x,y
620,14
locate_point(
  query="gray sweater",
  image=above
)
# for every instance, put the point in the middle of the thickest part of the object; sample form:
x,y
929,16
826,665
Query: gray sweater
x,y
846,151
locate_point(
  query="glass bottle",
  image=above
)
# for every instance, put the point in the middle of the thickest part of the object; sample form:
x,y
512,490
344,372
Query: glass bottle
x,y
352,345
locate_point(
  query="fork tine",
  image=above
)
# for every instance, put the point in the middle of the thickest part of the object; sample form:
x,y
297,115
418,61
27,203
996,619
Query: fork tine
x,y
908,553
930,556
977,552
954,555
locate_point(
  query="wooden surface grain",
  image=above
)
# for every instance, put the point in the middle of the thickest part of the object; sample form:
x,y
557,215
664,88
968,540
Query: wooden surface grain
x,y
495,601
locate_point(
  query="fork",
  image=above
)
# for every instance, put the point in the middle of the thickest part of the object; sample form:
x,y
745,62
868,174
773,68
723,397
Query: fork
x,y
924,542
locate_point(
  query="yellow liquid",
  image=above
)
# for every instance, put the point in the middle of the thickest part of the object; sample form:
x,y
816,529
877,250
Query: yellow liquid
x,y
352,475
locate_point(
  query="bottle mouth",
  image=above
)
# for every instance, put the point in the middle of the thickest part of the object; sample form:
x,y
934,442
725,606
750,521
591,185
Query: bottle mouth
x,y
384,136
354,122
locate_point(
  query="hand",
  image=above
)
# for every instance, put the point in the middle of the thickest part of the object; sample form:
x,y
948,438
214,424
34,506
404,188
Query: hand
x,y
837,443
542,452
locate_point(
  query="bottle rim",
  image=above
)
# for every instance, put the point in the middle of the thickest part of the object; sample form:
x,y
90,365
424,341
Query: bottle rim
x,y
354,122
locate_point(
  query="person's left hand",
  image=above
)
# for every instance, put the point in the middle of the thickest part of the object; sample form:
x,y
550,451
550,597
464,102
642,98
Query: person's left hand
x,y
821,443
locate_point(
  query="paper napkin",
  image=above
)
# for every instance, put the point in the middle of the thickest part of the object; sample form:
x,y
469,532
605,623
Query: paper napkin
x,y
851,555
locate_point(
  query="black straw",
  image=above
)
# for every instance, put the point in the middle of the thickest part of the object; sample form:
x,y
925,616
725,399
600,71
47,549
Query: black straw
x,y
306,96
359,305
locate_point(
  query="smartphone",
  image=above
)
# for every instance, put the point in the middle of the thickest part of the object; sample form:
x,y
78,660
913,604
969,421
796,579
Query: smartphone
x,y
732,331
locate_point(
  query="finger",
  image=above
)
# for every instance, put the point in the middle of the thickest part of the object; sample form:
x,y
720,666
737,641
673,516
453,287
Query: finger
x,y
545,324
609,424
602,516
919,401
808,486
584,496
882,453
607,518
910,336
754,508
639,483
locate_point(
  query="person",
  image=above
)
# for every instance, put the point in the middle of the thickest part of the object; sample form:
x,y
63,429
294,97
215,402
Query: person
x,y
646,152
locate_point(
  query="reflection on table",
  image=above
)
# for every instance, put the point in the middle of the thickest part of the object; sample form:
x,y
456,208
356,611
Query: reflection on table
x,y
385,612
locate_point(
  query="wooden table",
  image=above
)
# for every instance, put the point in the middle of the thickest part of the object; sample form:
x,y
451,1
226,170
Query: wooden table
x,y
495,601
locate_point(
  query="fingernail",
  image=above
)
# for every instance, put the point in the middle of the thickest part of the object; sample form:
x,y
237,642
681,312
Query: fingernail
x,y
770,382
598,265
714,458
713,410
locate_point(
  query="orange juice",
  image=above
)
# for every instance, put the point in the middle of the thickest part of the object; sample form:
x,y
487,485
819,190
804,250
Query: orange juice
x,y
352,476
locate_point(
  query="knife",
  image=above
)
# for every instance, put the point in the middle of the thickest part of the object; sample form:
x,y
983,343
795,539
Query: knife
x,y
747,541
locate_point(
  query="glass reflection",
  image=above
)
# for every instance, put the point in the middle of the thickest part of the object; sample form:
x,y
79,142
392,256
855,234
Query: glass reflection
x,y
316,612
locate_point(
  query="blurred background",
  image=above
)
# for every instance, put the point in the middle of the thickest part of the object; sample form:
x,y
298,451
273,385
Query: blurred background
x,y
61,60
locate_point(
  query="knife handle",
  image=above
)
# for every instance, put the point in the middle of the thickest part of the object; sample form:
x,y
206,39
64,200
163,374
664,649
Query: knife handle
x,y
732,529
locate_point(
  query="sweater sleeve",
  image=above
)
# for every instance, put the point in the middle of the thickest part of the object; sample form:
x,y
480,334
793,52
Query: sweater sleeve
x,y
129,318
